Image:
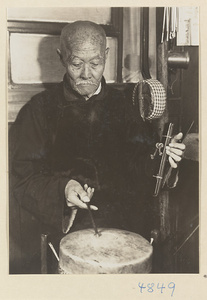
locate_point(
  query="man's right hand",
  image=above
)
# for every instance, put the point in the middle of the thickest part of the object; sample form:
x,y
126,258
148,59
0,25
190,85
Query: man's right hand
x,y
76,195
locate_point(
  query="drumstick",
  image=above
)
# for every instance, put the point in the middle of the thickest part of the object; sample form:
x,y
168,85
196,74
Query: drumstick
x,y
92,220
53,250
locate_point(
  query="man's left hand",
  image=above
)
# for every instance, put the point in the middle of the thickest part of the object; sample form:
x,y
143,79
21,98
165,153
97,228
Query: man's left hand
x,y
175,150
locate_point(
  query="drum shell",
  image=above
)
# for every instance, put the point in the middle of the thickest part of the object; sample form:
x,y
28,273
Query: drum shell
x,y
114,252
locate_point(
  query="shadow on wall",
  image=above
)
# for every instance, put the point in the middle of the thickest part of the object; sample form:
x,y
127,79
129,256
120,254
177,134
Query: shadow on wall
x,y
51,68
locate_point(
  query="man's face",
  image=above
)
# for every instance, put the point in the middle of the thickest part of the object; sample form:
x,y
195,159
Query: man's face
x,y
85,63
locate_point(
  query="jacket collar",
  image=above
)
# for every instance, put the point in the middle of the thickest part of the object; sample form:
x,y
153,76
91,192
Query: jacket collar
x,y
71,95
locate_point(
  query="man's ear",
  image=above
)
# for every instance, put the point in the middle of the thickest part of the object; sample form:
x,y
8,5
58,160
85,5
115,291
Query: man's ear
x,y
106,53
61,57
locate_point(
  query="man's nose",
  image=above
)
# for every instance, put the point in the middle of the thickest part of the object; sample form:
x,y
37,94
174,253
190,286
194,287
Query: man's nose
x,y
86,72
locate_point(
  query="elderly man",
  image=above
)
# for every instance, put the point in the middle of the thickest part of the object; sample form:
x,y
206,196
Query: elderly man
x,y
79,143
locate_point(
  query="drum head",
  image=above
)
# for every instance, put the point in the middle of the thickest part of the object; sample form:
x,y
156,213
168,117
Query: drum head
x,y
115,251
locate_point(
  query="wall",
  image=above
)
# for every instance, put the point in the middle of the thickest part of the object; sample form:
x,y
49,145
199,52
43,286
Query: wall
x,y
33,37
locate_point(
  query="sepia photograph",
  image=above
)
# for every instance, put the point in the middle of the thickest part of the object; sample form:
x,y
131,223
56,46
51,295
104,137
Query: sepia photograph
x,y
103,140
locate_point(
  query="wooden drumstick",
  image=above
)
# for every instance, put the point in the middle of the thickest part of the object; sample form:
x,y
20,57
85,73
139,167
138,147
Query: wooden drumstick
x,y
92,220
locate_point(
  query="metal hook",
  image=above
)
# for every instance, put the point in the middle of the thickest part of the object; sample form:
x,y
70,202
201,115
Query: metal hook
x,y
158,146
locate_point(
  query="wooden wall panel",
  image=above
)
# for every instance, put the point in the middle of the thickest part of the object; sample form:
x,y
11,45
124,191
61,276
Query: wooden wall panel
x,y
100,15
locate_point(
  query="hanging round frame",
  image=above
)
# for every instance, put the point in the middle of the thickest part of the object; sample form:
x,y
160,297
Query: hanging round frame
x,y
151,97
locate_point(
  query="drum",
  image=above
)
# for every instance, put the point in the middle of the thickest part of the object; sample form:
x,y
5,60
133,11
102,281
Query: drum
x,y
113,252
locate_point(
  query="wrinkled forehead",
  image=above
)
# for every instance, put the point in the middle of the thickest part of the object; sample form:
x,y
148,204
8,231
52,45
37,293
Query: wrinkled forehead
x,y
84,45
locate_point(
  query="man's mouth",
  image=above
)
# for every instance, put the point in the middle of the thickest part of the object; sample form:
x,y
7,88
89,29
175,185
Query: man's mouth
x,y
86,88
85,83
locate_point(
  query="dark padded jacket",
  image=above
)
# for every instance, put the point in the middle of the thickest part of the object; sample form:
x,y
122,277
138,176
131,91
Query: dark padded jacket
x,y
59,136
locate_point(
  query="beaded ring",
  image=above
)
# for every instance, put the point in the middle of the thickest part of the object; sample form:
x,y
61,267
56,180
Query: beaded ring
x,y
151,98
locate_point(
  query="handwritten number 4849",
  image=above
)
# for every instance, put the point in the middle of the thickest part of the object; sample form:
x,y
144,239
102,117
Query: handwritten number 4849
x,y
151,287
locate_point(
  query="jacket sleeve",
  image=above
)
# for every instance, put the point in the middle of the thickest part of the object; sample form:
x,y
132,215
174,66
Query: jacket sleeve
x,y
34,185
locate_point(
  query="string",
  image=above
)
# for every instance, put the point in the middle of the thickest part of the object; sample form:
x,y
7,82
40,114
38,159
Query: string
x,y
171,87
